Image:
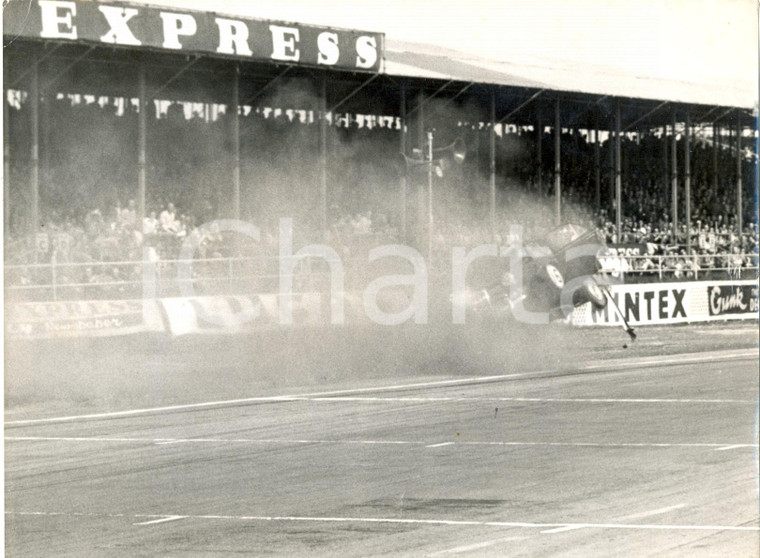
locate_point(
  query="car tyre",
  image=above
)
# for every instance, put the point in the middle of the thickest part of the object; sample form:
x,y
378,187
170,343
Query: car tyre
x,y
594,294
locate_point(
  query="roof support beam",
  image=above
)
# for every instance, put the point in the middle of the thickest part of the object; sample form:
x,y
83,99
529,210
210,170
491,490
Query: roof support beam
x,y
430,97
21,76
353,93
446,103
261,91
174,78
70,65
519,108
648,114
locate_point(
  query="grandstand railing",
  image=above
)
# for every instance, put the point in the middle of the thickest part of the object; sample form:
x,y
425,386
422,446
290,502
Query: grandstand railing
x,y
58,281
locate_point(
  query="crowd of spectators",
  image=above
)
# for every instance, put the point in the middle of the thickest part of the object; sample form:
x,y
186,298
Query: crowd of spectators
x,y
88,170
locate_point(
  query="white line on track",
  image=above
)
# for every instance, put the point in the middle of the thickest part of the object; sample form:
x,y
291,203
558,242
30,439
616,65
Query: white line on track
x,y
476,546
405,521
562,529
161,520
168,441
349,399
623,364
650,513
726,448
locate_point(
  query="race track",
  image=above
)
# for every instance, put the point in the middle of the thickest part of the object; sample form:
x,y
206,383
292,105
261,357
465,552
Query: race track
x,y
651,455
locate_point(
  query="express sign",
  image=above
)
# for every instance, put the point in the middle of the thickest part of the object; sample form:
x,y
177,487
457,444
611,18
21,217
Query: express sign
x,y
148,26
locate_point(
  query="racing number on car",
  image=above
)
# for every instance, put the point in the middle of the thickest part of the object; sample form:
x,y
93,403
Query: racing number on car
x,y
555,275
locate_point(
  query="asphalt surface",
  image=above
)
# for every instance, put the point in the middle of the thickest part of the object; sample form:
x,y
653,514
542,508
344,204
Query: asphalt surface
x,y
649,453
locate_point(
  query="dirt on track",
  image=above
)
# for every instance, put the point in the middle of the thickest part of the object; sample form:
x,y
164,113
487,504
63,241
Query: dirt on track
x,y
44,378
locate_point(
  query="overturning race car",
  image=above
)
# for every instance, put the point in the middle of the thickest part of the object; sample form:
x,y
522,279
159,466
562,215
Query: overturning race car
x,y
560,273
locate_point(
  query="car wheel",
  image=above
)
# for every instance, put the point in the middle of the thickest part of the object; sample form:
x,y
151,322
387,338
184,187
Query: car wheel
x,y
594,294
555,276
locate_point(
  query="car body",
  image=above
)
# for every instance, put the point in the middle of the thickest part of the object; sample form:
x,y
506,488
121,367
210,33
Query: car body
x,y
560,270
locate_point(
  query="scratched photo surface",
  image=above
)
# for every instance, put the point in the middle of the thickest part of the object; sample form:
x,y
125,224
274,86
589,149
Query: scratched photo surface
x,y
380,279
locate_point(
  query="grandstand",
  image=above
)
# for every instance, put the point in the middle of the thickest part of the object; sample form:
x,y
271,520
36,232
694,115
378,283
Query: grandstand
x,y
123,133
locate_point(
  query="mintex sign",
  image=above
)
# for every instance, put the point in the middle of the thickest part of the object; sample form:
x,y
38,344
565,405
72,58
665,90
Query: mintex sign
x,y
659,303
671,303
132,25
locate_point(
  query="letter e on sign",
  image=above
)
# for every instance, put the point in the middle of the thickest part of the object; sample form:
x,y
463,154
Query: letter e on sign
x,y
284,40
58,24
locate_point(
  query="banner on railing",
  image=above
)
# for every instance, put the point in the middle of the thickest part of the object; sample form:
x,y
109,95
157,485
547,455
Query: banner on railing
x,y
94,318
672,303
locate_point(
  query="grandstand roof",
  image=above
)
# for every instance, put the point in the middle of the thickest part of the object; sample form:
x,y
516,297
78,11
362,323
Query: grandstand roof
x,y
425,61
662,50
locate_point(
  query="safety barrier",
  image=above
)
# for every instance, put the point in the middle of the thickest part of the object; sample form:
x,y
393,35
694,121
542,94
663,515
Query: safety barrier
x,y
673,303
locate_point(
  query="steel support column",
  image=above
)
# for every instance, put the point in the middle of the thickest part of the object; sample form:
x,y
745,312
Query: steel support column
x,y
402,149
34,123
739,208
557,180
539,151
235,132
419,187
611,168
665,167
715,158
6,167
597,167
687,177
142,133
323,155
492,164
674,176
618,177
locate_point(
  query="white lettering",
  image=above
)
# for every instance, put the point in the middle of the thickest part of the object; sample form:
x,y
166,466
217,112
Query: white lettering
x,y
117,18
720,304
328,48
419,280
233,37
366,50
52,21
460,262
284,40
176,25
288,264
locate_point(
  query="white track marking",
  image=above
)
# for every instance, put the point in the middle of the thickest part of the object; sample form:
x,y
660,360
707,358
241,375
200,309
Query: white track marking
x,y
682,359
562,529
404,521
476,546
167,441
162,520
735,446
650,513
349,399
